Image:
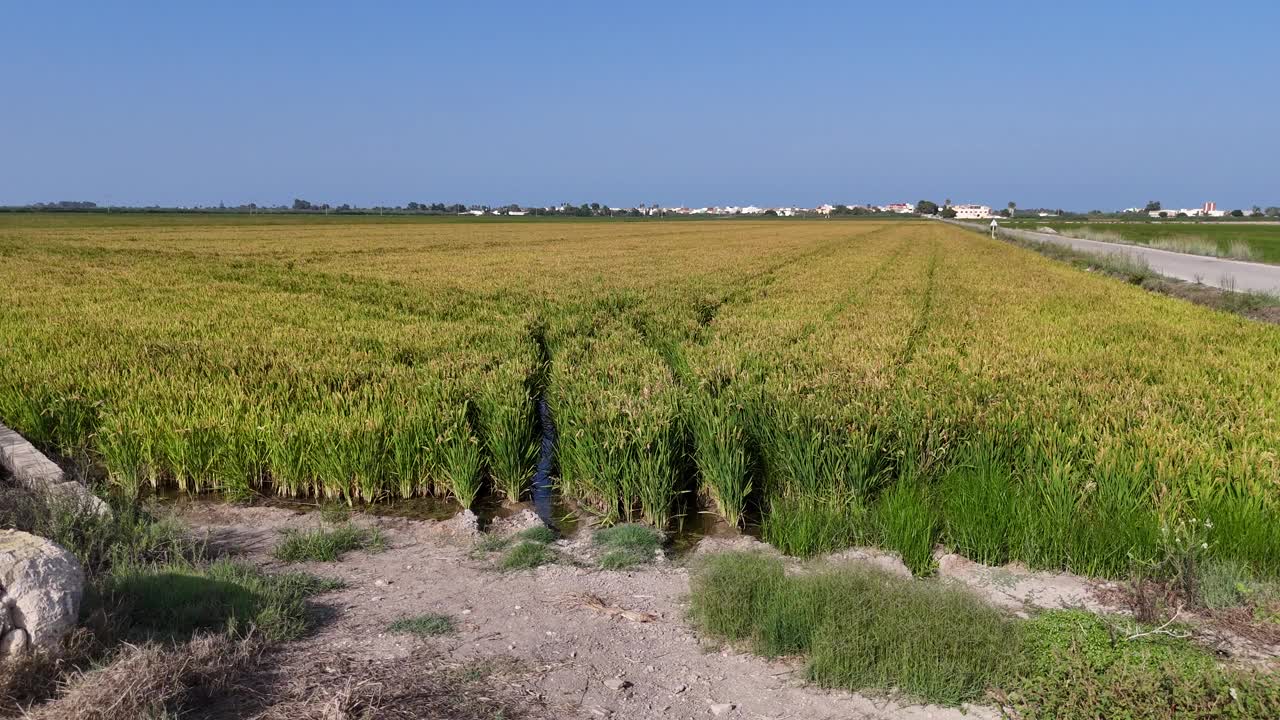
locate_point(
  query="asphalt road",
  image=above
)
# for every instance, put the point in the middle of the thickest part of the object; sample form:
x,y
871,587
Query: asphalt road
x,y
1226,274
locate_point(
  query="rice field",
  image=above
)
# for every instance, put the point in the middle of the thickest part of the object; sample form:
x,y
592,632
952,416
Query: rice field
x,y
1238,240
833,382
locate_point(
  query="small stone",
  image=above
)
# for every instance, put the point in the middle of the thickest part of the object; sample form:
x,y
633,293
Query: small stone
x,y
14,643
679,689
517,607
722,709
616,683
466,611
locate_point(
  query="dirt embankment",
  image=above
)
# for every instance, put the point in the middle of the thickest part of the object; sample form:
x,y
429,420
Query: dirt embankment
x,y
563,641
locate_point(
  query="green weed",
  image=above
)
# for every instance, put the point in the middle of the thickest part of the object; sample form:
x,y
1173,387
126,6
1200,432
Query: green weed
x,y
626,545
859,628
527,555
327,544
423,625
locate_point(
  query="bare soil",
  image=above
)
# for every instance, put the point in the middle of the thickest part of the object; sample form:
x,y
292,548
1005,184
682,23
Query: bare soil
x,y
563,641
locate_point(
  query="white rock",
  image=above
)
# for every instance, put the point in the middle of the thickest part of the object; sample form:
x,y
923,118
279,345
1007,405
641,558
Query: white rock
x,y
14,643
722,709
45,584
616,683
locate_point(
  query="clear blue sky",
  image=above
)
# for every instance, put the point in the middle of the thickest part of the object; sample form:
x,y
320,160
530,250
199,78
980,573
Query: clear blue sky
x,y
1079,105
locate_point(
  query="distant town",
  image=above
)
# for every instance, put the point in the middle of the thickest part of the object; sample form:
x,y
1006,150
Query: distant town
x,y
927,208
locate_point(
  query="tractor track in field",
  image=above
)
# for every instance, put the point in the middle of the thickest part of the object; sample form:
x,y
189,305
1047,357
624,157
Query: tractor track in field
x,y
924,315
758,282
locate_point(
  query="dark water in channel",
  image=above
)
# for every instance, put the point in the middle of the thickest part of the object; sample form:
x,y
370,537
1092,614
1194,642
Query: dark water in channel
x,y
543,490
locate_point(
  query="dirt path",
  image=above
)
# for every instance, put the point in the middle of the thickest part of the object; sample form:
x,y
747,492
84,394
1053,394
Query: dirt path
x,y
577,661
1233,275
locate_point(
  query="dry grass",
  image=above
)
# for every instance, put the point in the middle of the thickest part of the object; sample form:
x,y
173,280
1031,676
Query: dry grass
x,y
327,686
149,680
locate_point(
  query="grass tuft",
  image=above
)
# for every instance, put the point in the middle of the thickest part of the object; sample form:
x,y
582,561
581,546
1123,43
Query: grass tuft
x,y
328,545
539,534
177,600
626,545
860,628
428,625
527,555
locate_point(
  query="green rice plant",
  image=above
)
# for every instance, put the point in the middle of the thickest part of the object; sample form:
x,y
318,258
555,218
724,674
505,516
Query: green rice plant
x,y
719,435
1119,528
978,501
795,369
811,526
909,524
327,544
507,413
460,460
1048,506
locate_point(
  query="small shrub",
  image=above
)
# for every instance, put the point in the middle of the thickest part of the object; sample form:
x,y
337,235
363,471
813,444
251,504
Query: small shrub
x,y
1224,584
423,625
626,545
327,545
527,555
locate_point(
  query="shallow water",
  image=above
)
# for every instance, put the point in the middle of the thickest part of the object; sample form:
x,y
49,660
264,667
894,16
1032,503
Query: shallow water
x,y
698,523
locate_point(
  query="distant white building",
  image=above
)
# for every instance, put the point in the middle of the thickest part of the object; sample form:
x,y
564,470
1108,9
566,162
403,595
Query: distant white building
x,y
516,212
900,208
972,212
1209,209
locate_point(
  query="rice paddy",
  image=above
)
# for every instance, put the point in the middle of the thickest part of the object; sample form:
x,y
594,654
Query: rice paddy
x,y
903,384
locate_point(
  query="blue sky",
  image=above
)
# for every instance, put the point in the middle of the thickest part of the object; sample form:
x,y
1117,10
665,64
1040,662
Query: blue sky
x,y
1080,105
